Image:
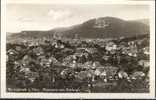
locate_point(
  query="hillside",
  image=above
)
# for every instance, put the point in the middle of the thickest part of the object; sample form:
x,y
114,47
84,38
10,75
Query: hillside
x,y
103,27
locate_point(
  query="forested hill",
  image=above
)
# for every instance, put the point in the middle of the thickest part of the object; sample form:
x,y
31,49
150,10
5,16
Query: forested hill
x,y
103,27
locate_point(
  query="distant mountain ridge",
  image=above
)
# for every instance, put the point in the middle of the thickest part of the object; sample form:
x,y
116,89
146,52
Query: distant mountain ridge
x,y
103,27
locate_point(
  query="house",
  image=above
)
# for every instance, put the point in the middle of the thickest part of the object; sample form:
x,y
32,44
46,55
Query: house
x,y
131,43
111,46
80,50
113,51
64,73
32,76
105,57
91,50
103,75
146,50
11,52
67,50
96,64
38,51
73,64
45,62
110,71
144,63
18,48
82,75
122,74
67,60
137,75
25,70
133,52
88,64
125,51
53,60
26,59
98,72
107,72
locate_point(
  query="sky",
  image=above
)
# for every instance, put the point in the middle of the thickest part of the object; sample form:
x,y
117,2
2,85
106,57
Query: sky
x,y
20,17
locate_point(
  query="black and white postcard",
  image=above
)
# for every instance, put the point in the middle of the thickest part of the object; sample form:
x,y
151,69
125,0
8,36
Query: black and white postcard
x,y
77,49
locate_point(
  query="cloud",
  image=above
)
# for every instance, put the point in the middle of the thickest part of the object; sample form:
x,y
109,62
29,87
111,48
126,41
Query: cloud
x,y
59,14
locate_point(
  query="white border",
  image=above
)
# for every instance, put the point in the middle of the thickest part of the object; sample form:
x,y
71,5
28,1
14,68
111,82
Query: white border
x,y
77,2
4,94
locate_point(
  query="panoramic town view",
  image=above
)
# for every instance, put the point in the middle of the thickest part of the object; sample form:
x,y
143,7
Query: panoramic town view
x,y
101,55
